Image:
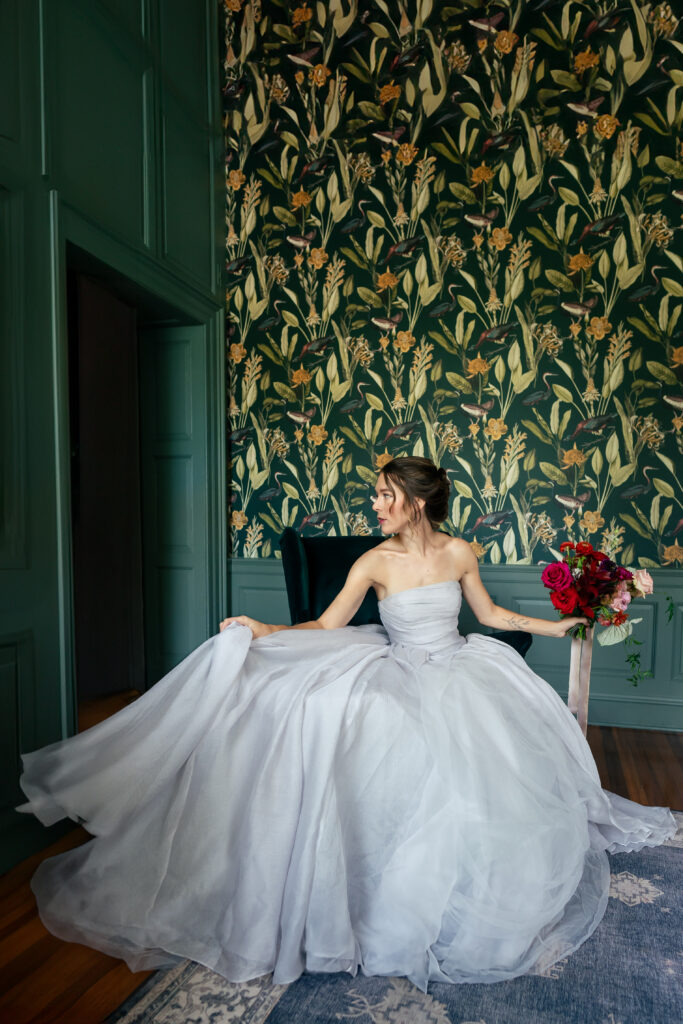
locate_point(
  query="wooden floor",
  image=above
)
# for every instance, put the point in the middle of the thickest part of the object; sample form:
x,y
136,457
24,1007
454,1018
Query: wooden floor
x,y
45,981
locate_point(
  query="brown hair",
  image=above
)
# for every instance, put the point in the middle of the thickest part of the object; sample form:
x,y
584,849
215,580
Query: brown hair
x,y
420,478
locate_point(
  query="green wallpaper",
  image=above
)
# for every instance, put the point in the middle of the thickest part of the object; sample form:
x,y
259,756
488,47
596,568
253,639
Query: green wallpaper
x,y
455,230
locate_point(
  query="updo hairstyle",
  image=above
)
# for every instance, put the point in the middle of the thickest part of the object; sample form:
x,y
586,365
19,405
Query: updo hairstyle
x,y
420,478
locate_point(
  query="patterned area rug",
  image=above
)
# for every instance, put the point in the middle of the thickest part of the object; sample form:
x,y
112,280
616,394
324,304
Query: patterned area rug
x,y
629,972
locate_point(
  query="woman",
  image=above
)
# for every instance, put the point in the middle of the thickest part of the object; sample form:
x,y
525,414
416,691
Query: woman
x,y
327,798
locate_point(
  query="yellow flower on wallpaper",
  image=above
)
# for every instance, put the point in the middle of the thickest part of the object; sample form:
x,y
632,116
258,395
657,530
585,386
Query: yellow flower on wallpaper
x,y
677,356
302,14
317,434
318,258
389,92
606,125
580,261
477,366
505,41
300,376
238,520
672,553
599,327
404,341
591,522
406,153
495,428
300,198
386,280
500,237
482,173
572,457
381,460
237,352
585,60
235,180
319,75
478,549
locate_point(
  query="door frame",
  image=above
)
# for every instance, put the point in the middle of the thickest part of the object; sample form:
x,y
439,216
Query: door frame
x,y
147,275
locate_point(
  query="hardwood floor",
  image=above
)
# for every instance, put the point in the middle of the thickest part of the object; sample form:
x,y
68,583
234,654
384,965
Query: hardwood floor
x,y
46,981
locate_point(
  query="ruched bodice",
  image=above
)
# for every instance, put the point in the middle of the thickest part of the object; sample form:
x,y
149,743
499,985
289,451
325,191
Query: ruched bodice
x,y
425,617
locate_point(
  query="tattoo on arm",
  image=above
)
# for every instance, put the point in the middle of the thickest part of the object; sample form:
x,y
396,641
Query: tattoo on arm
x,y
516,622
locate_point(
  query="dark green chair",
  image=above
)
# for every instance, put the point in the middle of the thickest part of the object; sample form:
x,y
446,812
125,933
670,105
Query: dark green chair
x,y
315,571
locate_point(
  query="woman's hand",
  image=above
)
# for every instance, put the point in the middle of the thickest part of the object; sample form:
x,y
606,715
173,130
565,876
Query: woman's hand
x,y
258,628
564,625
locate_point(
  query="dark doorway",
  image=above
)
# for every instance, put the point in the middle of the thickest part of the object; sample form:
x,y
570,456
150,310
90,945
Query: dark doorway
x,y
105,490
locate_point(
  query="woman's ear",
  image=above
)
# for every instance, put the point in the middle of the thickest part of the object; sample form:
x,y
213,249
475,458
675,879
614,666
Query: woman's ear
x,y
417,509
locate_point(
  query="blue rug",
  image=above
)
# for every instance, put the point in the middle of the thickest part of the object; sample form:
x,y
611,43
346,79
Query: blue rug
x,y
629,972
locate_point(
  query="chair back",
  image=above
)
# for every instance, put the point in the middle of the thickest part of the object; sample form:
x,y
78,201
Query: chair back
x,y
315,571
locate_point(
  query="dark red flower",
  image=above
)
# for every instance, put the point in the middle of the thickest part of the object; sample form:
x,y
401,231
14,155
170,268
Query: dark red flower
x,y
624,574
566,544
589,592
565,600
619,618
583,548
587,611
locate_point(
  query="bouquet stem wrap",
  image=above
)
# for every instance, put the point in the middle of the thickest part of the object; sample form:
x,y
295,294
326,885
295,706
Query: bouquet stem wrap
x,y
580,677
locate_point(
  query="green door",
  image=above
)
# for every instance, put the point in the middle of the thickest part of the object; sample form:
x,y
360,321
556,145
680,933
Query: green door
x,y
173,441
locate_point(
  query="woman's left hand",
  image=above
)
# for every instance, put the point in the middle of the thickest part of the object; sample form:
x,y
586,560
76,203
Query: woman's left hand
x,y
564,625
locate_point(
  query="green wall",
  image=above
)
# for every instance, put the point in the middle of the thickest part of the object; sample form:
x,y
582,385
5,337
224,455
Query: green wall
x,y
110,141
457,238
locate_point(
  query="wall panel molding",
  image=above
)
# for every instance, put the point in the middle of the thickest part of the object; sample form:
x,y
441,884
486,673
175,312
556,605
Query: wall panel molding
x,y
13,510
257,588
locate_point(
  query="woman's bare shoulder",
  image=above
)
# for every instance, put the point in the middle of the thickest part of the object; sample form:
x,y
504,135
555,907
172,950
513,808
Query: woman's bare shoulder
x,y
461,553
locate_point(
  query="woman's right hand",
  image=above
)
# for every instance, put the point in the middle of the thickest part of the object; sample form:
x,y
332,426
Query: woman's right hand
x,y
258,628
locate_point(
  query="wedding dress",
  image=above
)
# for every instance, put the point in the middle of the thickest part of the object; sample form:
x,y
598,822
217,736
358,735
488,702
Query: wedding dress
x,y
403,801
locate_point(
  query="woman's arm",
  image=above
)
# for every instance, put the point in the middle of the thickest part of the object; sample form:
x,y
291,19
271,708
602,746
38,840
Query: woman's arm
x,y
490,614
339,613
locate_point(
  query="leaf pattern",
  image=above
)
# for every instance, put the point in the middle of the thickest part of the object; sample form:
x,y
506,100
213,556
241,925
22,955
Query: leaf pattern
x,y
452,231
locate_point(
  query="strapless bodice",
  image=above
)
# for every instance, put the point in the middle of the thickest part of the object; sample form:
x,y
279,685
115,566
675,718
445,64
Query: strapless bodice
x,y
425,617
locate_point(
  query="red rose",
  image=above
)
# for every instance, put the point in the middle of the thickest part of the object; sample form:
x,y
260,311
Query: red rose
x,y
556,576
565,600
583,548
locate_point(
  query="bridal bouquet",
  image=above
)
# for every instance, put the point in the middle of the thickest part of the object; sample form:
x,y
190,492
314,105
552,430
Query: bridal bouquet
x,y
587,582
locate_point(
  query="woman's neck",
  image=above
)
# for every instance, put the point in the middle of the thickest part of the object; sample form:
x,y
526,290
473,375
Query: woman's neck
x,y
417,539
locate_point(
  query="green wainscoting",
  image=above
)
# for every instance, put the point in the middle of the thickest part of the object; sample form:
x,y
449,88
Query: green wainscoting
x,y
111,165
257,588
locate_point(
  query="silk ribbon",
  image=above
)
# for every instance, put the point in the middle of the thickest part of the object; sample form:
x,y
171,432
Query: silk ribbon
x,y
580,678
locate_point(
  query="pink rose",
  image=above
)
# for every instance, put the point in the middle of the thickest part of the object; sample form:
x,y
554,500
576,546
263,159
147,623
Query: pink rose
x,y
557,576
642,582
621,598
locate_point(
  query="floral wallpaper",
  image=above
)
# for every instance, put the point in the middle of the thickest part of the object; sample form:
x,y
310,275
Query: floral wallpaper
x,y
455,230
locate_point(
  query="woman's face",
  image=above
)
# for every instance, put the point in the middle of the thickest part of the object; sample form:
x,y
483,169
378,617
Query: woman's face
x,y
390,506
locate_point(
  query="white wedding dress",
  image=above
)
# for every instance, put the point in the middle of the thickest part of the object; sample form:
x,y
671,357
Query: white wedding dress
x,y
403,801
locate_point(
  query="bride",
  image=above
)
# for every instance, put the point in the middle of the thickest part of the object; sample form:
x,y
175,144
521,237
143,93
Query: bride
x,y
399,799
